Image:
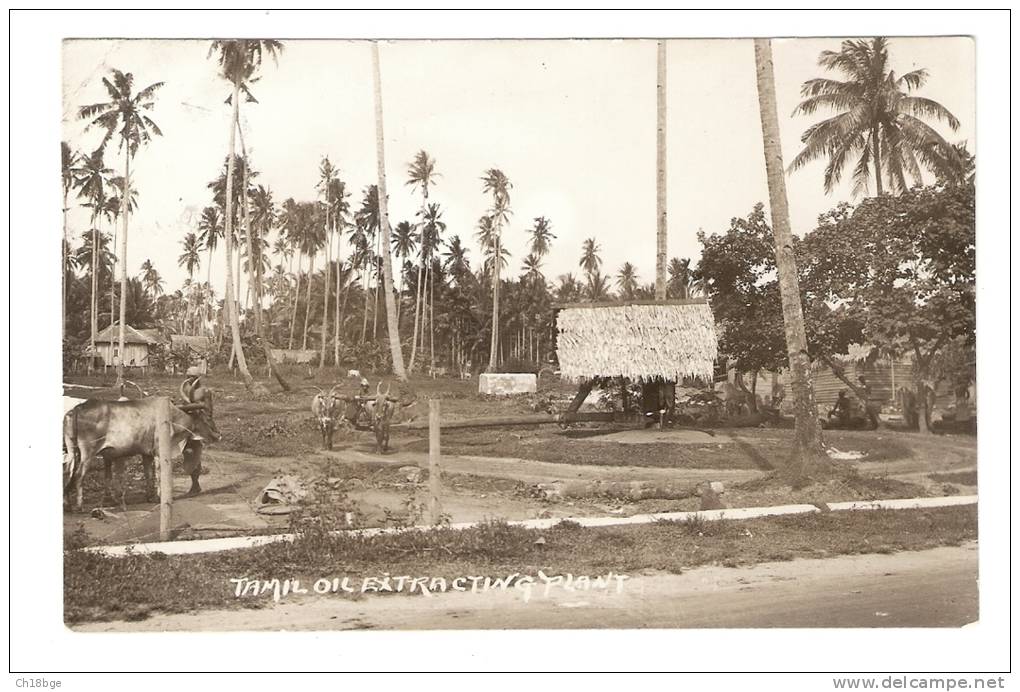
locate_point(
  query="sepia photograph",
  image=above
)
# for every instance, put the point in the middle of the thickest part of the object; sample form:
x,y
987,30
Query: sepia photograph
x,y
554,333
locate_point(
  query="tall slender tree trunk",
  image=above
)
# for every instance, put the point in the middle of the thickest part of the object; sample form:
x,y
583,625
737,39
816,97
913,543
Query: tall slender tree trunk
x,y
252,298
113,280
293,313
432,317
95,288
208,284
125,210
808,449
325,289
400,288
308,301
375,294
417,315
364,317
876,140
336,315
255,267
229,300
384,221
494,344
343,311
63,272
660,172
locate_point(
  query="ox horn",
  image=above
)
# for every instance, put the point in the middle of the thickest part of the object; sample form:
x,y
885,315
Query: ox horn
x,y
378,389
332,391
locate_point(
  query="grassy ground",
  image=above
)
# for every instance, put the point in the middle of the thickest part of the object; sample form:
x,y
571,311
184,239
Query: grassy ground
x,y
749,448
102,588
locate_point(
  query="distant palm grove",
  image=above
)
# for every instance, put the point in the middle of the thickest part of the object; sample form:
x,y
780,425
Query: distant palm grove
x,y
310,273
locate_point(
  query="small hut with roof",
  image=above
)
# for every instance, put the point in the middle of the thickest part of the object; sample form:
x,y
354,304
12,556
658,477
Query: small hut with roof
x,y
655,343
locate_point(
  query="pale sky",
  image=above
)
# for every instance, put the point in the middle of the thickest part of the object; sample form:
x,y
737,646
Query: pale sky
x,y
571,123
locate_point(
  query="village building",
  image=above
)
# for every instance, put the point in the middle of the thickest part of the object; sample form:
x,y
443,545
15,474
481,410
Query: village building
x,y
190,352
137,347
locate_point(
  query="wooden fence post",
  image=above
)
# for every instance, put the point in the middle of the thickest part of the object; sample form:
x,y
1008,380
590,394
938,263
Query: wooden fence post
x,y
435,472
166,484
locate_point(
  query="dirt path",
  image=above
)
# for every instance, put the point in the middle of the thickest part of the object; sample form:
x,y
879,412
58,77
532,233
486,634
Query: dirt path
x,y
931,588
530,471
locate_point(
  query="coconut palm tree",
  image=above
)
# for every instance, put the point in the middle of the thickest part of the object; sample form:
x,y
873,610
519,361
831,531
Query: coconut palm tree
x,y
421,173
569,289
363,238
327,177
597,287
627,280
151,279
92,178
808,449
124,116
210,229
879,122
69,161
531,268
239,62
456,260
660,171
590,259
541,237
190,258
340,207
290,225
495,182
391,310
683,281
432,227
111,212
404,245
313,237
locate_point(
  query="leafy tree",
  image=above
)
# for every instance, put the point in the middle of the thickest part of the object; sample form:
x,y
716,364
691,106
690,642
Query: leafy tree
x,y
903,270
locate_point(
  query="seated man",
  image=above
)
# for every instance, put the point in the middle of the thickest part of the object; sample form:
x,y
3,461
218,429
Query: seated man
x,y
841,410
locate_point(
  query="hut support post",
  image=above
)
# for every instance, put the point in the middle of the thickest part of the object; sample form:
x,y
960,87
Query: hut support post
x,y
166,499
582,393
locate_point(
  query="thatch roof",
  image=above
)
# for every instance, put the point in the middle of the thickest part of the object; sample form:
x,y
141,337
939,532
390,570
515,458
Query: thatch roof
x,y
154,334
111,335
639,340
179,342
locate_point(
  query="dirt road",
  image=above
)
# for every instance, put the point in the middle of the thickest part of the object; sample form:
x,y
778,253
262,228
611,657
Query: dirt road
x,y
932,588
529,471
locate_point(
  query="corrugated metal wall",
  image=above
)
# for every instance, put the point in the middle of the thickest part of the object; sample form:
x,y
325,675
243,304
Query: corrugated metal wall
x,y
884,378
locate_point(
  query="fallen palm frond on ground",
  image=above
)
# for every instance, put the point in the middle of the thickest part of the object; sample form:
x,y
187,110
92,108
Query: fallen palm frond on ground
x,y
133,587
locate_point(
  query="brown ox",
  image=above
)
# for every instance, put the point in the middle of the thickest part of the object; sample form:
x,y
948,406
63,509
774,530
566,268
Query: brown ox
x,y
117,430
382,409
327,410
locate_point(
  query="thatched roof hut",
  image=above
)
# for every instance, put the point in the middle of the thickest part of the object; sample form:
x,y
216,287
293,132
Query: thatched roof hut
x,y
639,340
